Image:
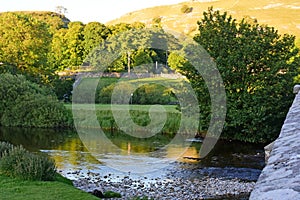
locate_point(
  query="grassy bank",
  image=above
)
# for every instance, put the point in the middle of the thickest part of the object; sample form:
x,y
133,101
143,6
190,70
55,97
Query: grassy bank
x,y
101,107
138,113
15,189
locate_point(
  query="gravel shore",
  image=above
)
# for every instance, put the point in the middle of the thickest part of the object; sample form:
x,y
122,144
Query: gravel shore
x,y
171,186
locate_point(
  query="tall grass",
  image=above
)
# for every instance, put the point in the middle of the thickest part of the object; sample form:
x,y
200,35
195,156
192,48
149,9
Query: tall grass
x,y
141,117
17,162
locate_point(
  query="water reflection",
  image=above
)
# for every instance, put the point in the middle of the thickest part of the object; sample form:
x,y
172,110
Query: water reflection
x,y
71,154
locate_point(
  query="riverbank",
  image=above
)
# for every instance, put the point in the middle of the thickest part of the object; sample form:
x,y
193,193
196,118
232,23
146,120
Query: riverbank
x,y
206,188
186,183
15,189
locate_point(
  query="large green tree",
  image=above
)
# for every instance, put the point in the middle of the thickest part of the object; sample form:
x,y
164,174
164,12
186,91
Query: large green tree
x,y
94,33
75,44
127,49
24,43
257,65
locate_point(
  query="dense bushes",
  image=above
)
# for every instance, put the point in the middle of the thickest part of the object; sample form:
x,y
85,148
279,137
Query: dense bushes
x,y
146,94
17,162
26,104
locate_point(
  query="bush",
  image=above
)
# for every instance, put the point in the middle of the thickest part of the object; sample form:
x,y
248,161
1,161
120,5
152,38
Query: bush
x,y
23,103
186,9
17,162
111,194
14,86
35,110
146,94
156,20
63,88
5,147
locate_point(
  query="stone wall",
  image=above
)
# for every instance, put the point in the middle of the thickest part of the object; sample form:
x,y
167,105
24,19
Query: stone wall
x,y
280,179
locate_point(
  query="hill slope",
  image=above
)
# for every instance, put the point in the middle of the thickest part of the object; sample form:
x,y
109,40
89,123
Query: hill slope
x,y
282,14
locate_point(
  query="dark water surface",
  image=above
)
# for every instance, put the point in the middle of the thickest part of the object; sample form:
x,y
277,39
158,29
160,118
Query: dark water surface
x,y
227,160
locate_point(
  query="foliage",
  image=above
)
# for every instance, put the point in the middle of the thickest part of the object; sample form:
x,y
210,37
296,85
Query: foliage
x,y
17,162
25,43
186,9
36,110
156,20
63,88
94,33
55,21
140,117
5,147
147,93
128,49
15,86
75,44
111,194
257,66
23,103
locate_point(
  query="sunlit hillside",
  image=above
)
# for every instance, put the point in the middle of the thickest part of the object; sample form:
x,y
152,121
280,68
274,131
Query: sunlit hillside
x,y
282,14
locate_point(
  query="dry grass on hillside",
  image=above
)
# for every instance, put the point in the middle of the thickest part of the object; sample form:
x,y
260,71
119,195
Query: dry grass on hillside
x,y
282,14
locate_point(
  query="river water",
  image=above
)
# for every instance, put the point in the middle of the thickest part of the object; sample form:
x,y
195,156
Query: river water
x,y
228,159
153,158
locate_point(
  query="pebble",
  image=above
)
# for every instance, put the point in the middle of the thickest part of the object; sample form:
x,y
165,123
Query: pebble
x,y
175,188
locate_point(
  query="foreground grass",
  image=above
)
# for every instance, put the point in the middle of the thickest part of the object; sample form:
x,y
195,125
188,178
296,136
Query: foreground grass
x,y
15,189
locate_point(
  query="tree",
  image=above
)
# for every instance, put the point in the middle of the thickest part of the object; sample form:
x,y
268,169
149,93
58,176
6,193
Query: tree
x,y
75,44
59,50
129,49
94,33
61,10
257,65
24,43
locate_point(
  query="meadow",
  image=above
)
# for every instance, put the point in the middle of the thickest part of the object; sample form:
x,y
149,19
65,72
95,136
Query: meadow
x,y
136,96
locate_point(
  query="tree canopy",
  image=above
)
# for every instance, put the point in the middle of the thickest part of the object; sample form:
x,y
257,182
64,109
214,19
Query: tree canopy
x,y
257,65
24,43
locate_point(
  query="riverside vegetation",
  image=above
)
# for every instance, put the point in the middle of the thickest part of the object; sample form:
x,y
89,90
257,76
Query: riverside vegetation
x,y
257,64
24,175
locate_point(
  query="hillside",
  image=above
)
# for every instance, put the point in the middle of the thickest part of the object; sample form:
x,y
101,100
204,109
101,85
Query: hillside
x,y
282,14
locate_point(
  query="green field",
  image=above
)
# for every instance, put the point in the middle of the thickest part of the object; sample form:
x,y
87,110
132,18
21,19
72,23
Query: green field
x,y
105,107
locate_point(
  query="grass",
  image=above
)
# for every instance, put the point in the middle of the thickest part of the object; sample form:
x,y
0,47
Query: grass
x,y
104,107
15,189
84,116
281,14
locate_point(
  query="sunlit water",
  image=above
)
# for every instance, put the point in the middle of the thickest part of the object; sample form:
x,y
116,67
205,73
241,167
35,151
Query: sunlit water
x,y
138,158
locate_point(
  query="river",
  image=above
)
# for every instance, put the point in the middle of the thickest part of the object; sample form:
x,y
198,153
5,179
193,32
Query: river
x,y
149,159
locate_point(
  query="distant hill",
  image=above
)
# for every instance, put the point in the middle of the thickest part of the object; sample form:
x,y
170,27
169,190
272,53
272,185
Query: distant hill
x,y
284,15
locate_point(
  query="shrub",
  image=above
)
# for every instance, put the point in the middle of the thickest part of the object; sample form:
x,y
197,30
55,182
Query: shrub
x,y
17,162
111,194
35,110
146,94
186,9
5,147
23,103
156,20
